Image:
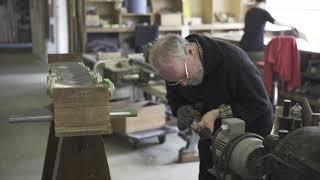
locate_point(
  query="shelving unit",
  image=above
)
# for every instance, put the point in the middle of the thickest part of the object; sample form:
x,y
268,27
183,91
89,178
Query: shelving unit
x,y
122,23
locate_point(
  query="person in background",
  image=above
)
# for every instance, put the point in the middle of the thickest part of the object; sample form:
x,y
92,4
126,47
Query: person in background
x,y
217,78
253,37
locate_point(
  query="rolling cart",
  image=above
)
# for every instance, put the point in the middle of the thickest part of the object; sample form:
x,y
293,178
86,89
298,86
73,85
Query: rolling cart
x,y
136,137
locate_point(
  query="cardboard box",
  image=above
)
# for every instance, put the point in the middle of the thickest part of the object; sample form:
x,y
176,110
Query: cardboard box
x,y
171,19
148,117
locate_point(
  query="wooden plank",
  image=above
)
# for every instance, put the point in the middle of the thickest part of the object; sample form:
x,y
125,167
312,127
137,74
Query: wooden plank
x,y
76,25
70,57
135,14
46,19
111,1
207,11
108,30
203,27
80,97
82,25
70,7
83,130
39,41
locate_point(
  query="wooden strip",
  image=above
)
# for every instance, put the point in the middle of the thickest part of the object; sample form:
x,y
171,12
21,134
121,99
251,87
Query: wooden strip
x,y
83,131
73,57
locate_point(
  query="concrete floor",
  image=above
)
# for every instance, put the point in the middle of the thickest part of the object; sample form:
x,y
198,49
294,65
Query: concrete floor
x,y
22,146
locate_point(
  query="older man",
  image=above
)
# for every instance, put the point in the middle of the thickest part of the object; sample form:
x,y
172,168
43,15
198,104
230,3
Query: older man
x,y
218,78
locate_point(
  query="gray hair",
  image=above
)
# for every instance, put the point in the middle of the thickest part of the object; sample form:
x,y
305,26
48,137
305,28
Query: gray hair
x,y
170,47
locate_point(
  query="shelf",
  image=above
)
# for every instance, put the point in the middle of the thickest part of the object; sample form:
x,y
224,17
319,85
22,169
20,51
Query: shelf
x,y
134,14
109,30
227,26
311,76
170,28
111,1
203,27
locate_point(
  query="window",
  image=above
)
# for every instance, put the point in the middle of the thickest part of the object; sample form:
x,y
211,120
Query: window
x,y
15,26
304,15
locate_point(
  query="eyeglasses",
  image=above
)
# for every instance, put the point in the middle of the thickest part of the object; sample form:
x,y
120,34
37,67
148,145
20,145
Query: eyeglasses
x,y
182,80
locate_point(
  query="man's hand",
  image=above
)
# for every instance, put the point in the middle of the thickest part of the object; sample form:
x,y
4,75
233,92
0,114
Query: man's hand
x,y
207,120
186,115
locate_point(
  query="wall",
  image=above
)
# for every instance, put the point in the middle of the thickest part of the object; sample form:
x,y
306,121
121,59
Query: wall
x,y
59,26
196,8
3,25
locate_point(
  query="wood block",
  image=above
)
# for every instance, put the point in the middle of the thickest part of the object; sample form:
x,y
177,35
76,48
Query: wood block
x,y
83,130
149,117
80,97
77,121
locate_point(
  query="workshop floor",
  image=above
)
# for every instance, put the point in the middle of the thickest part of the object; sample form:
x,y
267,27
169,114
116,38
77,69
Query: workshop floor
x,y
22,146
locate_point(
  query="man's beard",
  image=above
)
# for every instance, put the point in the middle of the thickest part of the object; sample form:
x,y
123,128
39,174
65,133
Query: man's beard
x,y
197,80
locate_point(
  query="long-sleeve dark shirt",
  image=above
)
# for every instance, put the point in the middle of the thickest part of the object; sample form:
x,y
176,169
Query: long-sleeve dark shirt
x,y
255,21
229,78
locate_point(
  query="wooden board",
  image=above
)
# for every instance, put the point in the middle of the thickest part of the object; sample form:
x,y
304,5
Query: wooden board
x,y
83,130
72,57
